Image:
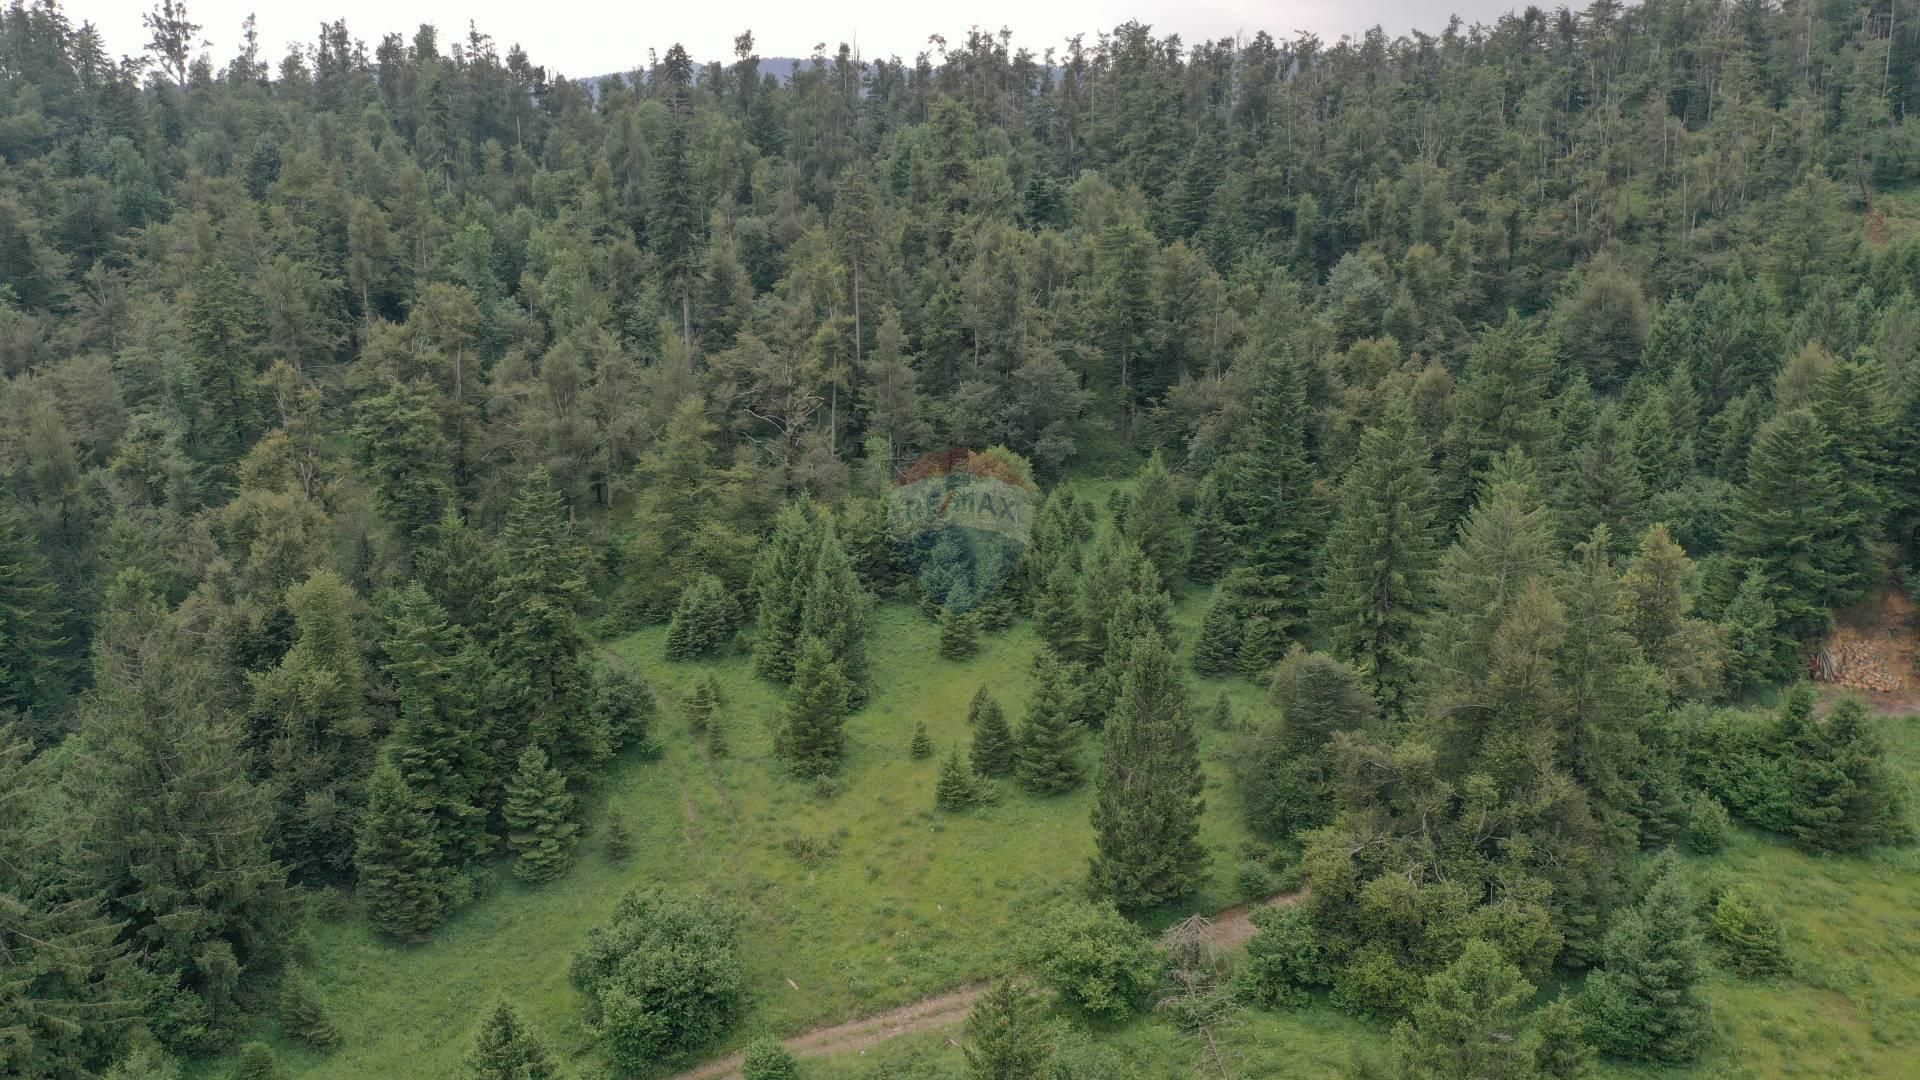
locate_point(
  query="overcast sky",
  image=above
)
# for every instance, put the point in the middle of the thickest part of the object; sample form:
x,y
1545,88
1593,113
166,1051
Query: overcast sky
x,y
596,38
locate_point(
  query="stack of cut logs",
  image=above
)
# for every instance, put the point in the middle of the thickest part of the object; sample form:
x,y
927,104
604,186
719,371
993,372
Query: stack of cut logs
x,y
1860,663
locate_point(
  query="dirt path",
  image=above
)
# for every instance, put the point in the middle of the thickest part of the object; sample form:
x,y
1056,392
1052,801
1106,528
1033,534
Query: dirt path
x,y
1228,929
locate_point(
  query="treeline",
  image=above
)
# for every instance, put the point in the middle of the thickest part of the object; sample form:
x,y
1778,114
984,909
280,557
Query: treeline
x,y
347,394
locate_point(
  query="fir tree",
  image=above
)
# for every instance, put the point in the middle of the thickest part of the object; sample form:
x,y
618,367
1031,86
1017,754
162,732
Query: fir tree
x,y
171,832
957,787
703,622
1216,651
440,743
1207,544
782,573
959,634
1153,524
717,746
34,669
1046,755
1843,797
810,737
703,703
1056,612
1560,1047
992,752
1006,1039
921,747
1266,489
1222,715
836,612
626,708
539,819
619,841
541,651
302,1014
1757,652
1643,1004
505,1048
397,861
1467,1022
1796,518
1379,556
1146,816
1606,486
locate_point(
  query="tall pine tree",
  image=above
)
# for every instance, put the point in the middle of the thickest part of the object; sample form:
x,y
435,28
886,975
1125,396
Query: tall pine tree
x,y
1146,815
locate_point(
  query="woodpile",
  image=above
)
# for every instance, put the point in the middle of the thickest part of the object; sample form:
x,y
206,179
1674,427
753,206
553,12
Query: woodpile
x,y
1874,661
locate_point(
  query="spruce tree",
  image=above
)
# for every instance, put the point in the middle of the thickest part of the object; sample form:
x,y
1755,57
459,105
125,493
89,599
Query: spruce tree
x,y
1757,652
782,573
1467,1022
1146,816
1046,755
1006,1039
992,752
440,743
703,622
1266,483
1379,556
619,841
1843,797
1153,524
171,831
539,815
303,1015
505,1048
811,737
35,671
397,861
921,747
1207,554
835,611
1797,519
959,634
1216,651
541,650
1643,1005
626,707
957,787
1056,612
1222,715
702,704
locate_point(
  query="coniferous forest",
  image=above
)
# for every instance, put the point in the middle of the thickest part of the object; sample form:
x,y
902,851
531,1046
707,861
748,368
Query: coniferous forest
x,y
1438,599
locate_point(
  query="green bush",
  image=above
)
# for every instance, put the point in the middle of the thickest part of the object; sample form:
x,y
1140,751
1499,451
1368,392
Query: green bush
x,y
1255,880
766,1059
1748,933
1709,828
1282,965
1093,958
662,978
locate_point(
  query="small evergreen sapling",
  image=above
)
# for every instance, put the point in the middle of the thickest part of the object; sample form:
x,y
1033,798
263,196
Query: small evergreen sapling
x,y
921,747
619,841
811,736
1046,756
302,1014
959,634
701,703
956,789
257,1063
992,753
505,1048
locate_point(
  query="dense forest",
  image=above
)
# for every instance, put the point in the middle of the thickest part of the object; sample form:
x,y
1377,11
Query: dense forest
x,y
1445,453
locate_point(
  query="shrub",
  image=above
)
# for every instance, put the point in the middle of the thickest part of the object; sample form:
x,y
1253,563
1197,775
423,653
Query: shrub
x,y
1748,933
662,978
766,1059
1282,965
1093,958
1255,880
1709,828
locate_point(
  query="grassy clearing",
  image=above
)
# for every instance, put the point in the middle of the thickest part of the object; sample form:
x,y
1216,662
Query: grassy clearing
x,y
852,903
